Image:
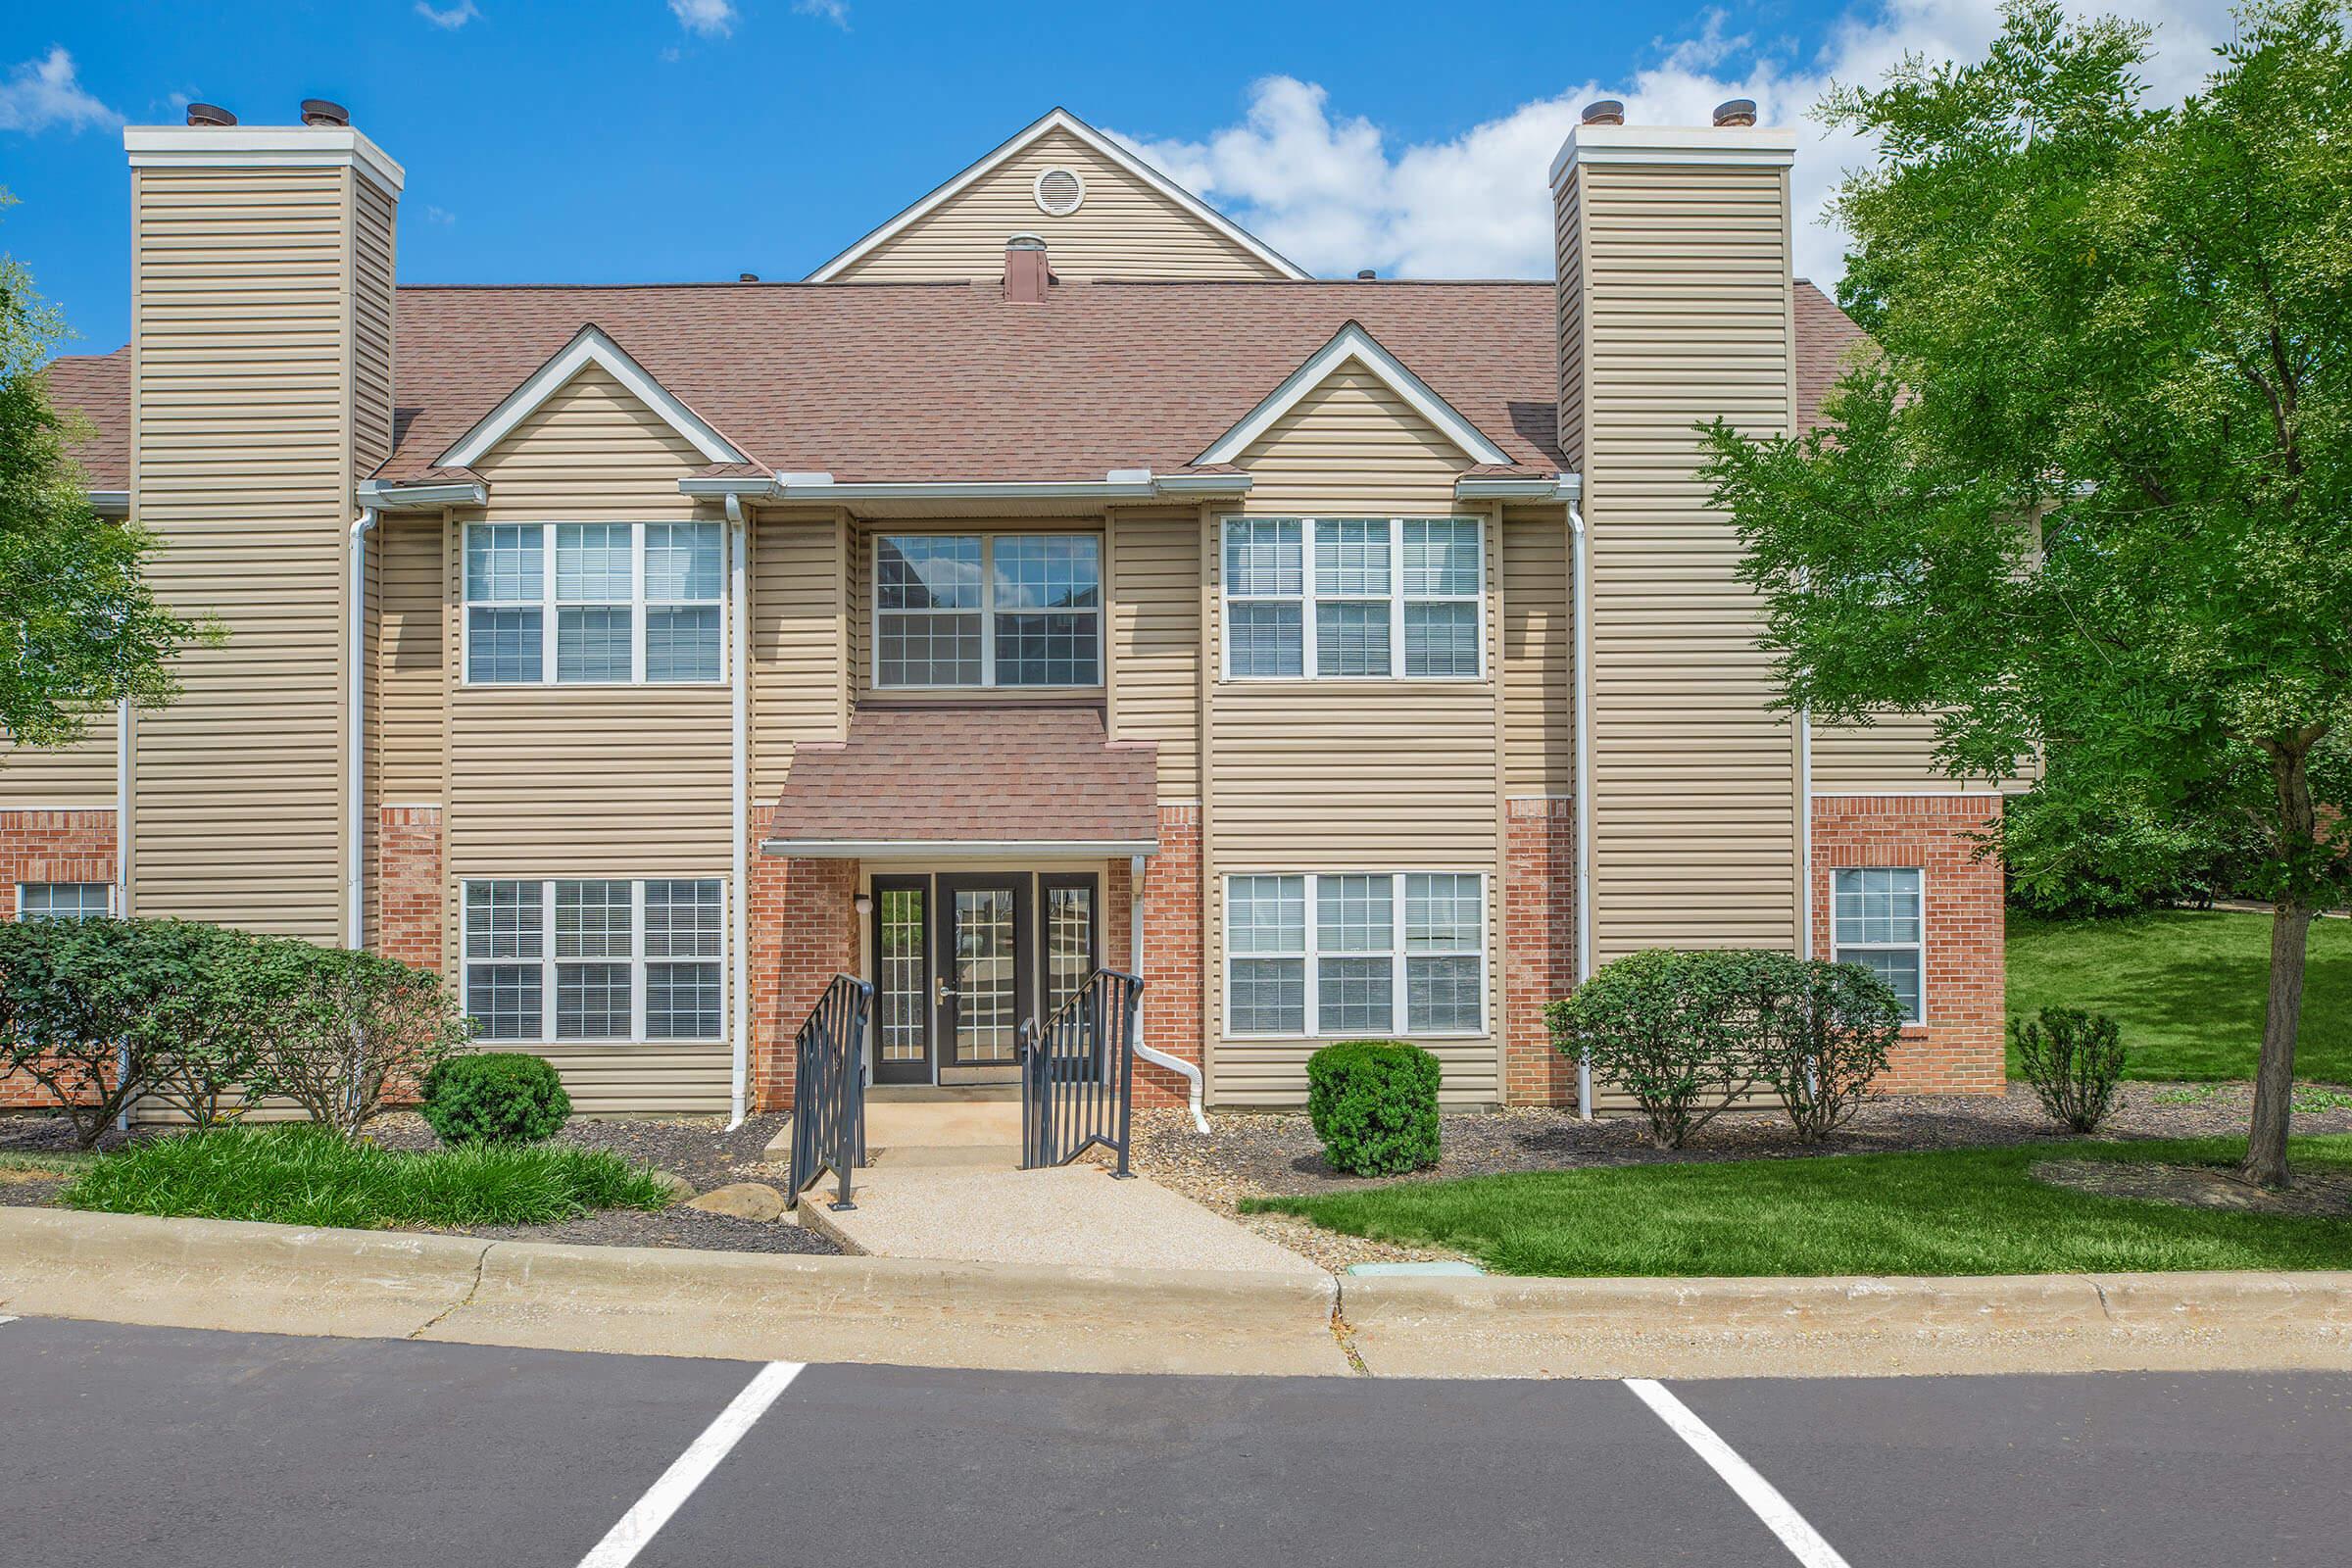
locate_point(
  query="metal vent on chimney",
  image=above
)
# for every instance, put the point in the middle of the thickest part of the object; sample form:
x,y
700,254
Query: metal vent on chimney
x,y
1059,192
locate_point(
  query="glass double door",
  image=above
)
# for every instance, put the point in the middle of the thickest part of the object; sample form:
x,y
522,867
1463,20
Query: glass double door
x,y
962,959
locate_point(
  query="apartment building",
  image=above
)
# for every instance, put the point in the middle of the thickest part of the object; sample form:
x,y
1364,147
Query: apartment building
x,y
1057,577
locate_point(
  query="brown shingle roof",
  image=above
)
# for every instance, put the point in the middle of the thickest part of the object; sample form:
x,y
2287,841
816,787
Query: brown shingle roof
x,y
971,774
910,381
97,386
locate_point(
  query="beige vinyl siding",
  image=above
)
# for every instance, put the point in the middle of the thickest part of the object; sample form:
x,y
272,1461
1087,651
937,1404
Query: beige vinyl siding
x,y
661,1078
1539,637
1684,316
1568,270
373,241
1892,756
592,781
1338,775
242,395
1124,228
413,711
1155,642
799,651
80,776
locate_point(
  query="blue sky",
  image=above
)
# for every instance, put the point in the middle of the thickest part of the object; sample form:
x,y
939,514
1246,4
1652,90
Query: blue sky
x,y
651,140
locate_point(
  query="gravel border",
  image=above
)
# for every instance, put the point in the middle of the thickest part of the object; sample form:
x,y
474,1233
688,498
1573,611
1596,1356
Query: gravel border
x,y
1273,1153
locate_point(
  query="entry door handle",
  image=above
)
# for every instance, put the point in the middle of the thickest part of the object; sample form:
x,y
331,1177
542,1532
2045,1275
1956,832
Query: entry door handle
x,y
947,992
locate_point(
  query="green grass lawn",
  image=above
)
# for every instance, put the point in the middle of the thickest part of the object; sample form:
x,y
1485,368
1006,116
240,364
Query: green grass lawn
x,y
299,1175
2187,985
1969,1212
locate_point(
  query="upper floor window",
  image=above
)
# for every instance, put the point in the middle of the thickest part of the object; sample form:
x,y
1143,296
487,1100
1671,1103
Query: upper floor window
x,y
988,610
1354,598
594,603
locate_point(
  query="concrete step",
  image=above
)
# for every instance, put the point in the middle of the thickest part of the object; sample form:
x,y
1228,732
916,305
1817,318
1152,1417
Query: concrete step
x,y
897,1126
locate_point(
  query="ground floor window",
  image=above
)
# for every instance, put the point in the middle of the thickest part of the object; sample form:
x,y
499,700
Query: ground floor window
x,y
1879,921
595,959
1355,954
64,900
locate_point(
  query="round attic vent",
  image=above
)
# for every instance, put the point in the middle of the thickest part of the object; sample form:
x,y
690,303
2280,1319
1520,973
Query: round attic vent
x,y
1059,192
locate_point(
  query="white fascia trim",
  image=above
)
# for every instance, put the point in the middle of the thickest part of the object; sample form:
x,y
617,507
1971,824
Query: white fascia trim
x,y
1121,484
955,849
261,147
421,497
1063,120
589,347
1559,487
111,503
1353,342
1675,144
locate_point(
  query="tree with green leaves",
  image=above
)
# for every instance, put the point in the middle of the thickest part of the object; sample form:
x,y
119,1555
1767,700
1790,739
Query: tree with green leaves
x,y
83,630
2091,494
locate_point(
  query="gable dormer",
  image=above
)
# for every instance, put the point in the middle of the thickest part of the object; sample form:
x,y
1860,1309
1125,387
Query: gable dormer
x,y
1100,212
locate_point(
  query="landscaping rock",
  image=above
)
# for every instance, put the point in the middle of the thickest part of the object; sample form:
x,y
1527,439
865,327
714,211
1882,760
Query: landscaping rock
x,y
679,1188
741,1200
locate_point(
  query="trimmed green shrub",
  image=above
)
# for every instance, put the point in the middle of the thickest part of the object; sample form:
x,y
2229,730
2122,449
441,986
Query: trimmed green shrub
x,y
495,1097
2074,1060
341,1033
1832,1025
1374,1104
1685,1033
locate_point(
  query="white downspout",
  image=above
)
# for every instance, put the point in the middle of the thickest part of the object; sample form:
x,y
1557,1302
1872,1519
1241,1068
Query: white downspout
x,y
740,802
355,904
123,861
1135,963
1583,788
1804,839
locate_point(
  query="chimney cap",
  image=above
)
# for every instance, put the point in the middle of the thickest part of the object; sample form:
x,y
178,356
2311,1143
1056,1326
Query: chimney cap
x,y
747,277
1368,275
1604,112
210,115
1736,111
1024,242
324,111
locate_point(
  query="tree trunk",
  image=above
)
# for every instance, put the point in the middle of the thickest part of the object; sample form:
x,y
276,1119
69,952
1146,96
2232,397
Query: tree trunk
x,y
2282,1008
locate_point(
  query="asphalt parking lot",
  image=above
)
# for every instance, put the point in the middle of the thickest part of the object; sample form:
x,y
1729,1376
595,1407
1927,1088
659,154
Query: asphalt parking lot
x,y
132,1445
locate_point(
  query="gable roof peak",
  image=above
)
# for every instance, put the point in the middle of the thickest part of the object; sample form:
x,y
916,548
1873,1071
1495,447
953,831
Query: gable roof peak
x,y
590,345
1058,119
1353,343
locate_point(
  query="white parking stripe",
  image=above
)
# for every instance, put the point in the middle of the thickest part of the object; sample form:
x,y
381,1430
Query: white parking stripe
x,y
1762,1498
625,1539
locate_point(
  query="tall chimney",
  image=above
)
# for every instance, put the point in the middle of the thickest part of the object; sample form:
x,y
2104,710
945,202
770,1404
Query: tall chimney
x,y
1675,309
1026,271
262,266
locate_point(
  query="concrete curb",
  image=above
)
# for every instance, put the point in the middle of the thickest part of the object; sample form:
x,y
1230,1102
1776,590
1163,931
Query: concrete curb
x,y
1506,1327
213,1274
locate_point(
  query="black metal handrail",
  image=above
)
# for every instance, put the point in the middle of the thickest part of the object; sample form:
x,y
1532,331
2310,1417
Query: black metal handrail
x,y
828,1088
1078,1074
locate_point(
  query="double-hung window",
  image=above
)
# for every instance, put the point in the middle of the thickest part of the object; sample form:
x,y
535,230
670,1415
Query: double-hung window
x,y
1879,921
595,960
64,900
1354,598
988,610
1355,954
594,603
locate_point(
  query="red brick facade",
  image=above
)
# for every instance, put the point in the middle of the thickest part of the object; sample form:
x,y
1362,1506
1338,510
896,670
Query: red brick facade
x,y
1959,1048
1173,949
410,899
1539,946
49,847
804,931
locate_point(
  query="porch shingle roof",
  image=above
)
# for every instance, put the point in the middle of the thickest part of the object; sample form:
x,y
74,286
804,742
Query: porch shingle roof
x,y
943,773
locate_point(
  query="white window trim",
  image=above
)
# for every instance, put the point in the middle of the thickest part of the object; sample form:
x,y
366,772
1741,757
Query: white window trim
x,y
1839,949
1312,954
22,886
1309,594
547,605
987,611
547,1037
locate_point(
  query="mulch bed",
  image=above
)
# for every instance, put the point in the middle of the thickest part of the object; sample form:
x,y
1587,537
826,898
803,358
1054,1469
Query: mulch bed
x,y
697,1149
1264,1155
2317,1195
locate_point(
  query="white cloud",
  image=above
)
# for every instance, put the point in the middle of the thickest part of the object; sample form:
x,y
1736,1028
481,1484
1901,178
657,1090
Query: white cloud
x,y
448,19
837,12
1335,194
441,216
45,92
712,19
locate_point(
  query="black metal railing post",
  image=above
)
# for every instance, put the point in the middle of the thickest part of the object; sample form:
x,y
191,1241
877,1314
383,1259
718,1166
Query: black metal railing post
x,y
828,1090
1078,1074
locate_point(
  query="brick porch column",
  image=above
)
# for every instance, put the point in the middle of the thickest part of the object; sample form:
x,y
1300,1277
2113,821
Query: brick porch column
x,y
1539,946
1173,947
804,931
